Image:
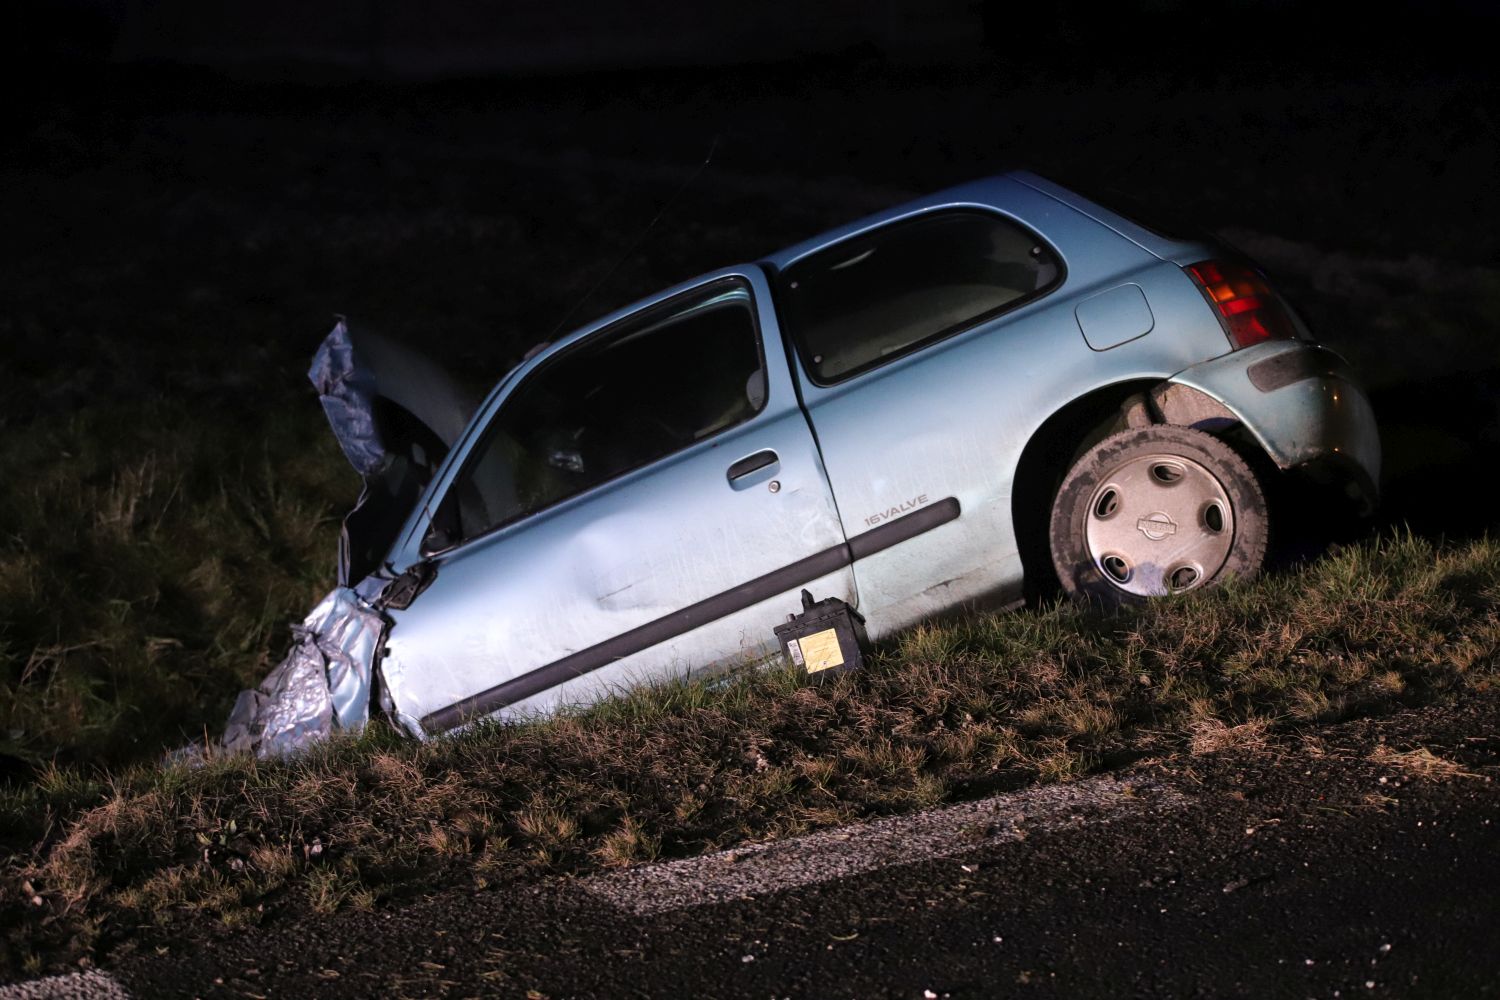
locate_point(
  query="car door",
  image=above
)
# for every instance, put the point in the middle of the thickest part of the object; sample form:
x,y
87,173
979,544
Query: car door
x,y
643,499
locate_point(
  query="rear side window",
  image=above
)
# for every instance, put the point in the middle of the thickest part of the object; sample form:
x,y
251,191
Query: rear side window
x,y
877,297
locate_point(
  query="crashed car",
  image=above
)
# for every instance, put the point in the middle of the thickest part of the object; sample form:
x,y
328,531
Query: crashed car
x,y
997,387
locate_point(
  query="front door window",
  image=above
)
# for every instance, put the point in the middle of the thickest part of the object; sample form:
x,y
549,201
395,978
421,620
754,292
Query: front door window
x,y
614,403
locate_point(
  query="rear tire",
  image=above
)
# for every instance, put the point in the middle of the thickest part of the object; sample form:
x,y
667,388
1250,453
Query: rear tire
x,y
1156,511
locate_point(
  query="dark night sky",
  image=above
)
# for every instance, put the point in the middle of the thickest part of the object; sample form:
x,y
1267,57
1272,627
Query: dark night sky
x,y
391,39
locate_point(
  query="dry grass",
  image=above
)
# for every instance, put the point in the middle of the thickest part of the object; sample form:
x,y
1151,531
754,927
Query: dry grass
x,y
992,700
629,844
1212,735
1421,762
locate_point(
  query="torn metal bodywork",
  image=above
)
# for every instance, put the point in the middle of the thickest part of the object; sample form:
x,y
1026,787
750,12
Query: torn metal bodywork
x,y
323,684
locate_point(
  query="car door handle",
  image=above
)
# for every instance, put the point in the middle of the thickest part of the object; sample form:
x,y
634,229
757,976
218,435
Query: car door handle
x,y
752,463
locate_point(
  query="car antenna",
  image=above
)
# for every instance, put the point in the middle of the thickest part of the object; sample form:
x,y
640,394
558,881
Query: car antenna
x,y
638,240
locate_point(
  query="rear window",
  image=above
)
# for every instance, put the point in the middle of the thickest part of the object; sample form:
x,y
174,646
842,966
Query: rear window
x,y
878,297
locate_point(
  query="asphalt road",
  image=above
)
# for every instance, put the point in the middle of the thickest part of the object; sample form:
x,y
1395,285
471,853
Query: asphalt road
x,y
1317,866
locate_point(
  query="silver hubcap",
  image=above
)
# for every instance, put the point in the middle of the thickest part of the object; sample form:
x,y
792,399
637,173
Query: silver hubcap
x,y
1160,524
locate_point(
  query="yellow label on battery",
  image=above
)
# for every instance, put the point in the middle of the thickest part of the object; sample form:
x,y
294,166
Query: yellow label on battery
x,y
821,651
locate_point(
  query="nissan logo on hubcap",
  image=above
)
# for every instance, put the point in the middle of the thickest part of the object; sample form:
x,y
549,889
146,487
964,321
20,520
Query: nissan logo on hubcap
x,y
1157,525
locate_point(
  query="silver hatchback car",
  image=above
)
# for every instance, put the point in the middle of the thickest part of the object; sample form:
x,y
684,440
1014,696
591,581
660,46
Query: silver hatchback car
x,y
996,387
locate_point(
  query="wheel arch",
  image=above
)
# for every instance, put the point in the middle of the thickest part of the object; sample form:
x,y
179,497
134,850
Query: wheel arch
x,y
1048,454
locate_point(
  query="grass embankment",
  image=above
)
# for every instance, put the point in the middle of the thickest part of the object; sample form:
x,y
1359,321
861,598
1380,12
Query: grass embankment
x,y
944,712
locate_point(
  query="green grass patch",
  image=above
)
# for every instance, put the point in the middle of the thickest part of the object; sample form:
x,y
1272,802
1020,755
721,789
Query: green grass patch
x,y
152,556
943,712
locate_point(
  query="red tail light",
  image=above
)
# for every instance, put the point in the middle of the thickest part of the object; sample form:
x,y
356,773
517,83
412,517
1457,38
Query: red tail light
x,y
1248,309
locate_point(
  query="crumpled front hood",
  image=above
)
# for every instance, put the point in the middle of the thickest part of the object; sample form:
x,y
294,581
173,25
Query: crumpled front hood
x,y
395,415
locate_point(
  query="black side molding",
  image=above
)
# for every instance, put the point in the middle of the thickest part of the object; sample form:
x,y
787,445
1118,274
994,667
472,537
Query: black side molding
x,y
1293,366
908,526
710,609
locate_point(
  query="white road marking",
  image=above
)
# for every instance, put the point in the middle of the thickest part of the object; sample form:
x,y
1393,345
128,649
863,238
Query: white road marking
x,y
91,985
759,869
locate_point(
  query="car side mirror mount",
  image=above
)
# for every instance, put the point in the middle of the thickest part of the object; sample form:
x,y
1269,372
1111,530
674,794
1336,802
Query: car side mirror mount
x,y
435,541
438,537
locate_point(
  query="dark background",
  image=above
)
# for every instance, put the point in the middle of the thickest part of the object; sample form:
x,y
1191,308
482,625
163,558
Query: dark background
x,y
1371,134
554,132
189,196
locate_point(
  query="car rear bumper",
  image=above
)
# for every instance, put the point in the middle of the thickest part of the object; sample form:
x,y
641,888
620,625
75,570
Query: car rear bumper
x,y
1300,402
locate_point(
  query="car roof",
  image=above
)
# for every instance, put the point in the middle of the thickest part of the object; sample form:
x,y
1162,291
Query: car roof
x,y
1012,192
989,192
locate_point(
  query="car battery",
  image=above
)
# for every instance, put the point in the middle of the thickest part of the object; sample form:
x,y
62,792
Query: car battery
x,y
828,637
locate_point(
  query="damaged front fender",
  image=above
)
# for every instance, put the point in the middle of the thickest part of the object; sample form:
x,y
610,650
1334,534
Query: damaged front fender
x,y
323,684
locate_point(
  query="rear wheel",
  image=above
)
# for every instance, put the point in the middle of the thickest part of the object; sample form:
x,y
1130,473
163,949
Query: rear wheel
x,y
1155,511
